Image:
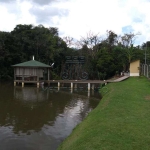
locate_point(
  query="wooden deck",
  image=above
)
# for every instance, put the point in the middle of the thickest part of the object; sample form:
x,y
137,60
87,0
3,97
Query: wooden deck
x,y
72,81
89,81
76,81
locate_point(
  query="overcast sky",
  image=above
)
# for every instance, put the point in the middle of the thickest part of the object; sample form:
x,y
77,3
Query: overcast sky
x,y
76,18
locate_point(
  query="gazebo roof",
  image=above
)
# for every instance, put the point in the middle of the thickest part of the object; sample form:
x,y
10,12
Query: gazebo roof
x,y
32,63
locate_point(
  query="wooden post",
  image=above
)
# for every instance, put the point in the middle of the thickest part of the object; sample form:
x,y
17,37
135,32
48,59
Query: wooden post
x,y
71,85
88,86
48,74
58,84
14,73
22,84
38,78
38,84
23,74
37,75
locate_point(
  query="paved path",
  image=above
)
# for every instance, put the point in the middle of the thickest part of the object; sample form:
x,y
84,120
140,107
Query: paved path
x,y
119,79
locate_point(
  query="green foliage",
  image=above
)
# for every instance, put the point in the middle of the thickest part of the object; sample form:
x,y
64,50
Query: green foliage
x,y
105,62
102,58
54,76
101,75
28,40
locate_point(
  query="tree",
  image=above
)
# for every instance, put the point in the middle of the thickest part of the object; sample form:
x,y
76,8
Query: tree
x,y
129,51
68,40
105,63
102,57
91,40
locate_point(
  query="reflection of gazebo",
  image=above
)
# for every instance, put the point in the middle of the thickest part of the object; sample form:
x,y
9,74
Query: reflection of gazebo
x,y
31,72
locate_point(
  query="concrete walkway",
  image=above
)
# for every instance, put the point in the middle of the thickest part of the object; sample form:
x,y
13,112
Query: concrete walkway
x,y
119,79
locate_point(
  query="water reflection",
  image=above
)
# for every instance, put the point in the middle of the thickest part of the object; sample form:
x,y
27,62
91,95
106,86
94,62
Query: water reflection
x,y
32,118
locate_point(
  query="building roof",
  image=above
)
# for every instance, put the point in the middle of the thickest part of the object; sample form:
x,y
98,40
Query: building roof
x,y
135,61
32,63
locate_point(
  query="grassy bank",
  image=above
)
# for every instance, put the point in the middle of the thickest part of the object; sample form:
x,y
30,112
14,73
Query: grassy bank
x,y
121,121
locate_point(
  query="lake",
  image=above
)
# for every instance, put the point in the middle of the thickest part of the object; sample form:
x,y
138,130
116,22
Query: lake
x,y
41,118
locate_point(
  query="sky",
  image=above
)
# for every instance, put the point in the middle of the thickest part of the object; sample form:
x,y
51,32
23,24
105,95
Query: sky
x,y
76,18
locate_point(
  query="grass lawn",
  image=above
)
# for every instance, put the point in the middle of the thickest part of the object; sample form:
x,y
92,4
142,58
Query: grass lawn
x,y
121,121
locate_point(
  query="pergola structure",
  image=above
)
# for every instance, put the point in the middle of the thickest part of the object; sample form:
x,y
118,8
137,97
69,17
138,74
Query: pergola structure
x,y
31,72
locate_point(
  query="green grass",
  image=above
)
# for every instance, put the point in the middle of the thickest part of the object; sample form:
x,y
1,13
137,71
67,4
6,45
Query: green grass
x,y
121,121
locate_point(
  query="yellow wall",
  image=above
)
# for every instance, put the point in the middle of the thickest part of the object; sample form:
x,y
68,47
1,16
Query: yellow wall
x,y
134,68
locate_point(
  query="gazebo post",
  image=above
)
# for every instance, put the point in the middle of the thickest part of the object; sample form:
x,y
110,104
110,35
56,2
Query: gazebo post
x,y
14,73
38,78
23,74
14,76
23,77
48,77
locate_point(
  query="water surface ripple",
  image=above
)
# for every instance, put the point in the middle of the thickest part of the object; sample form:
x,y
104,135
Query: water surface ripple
x,y
37,119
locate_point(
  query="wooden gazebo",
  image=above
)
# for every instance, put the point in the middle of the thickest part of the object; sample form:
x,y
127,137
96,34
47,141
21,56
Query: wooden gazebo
x,y
31,72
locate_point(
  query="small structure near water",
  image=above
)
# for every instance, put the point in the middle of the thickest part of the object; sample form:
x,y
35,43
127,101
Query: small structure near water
x,y
31,72
135,68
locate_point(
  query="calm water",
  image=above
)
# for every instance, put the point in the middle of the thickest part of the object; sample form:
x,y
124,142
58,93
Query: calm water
x,y
37,119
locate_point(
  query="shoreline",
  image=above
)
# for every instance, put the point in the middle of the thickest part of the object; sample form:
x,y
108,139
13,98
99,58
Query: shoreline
x,y
120,121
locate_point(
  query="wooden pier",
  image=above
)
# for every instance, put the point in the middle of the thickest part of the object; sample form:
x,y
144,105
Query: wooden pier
x,y
73,83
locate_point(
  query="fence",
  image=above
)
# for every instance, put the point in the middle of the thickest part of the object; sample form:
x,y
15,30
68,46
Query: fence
x,y
145,70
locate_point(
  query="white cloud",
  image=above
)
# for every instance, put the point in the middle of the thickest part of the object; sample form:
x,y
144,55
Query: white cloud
x,y
25,16
7,20
97,16
77,17
15,13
